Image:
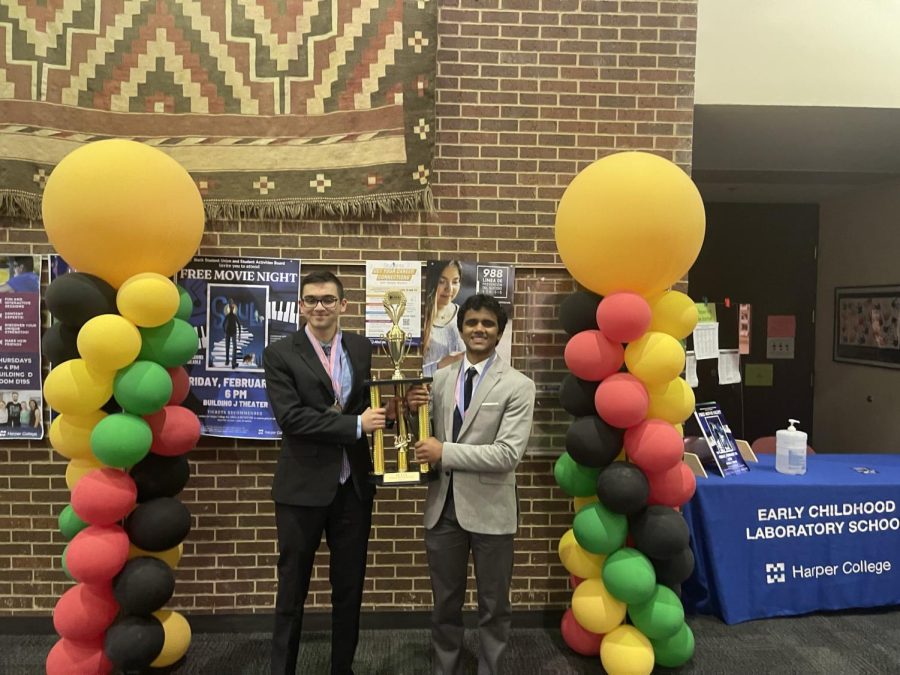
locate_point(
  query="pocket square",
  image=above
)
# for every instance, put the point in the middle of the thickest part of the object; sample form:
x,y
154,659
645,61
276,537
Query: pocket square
x,y
490,404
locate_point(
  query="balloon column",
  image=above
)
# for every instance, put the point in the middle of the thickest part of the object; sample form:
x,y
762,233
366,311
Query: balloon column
x,y
628,227
127,217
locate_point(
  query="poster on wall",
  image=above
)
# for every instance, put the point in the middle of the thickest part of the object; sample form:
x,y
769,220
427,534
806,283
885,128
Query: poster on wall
x,y
241,305
383,276
21,400
447,284
867,325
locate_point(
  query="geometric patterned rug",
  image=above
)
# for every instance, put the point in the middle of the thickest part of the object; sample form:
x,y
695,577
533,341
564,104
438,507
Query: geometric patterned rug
x,y
277,108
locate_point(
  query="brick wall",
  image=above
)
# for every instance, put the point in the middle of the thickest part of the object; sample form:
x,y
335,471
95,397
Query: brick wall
x,y
528,93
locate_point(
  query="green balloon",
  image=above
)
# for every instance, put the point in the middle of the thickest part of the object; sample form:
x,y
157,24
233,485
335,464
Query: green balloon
x,y
576,480
629,576
121,440
676,650
599,530
185,304
64,565
69,523
172,344
142,388
661,616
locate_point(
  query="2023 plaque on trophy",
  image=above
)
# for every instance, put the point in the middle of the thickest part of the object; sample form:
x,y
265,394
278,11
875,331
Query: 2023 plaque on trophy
x,y
397,348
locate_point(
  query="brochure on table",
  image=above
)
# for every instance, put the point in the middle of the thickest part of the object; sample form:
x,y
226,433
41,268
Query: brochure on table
x,y
726,457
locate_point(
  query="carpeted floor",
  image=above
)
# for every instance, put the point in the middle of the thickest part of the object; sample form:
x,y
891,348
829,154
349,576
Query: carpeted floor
x,y
864,643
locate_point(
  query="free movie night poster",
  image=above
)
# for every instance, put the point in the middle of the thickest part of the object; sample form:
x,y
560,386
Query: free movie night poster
x,y
21,403
241,305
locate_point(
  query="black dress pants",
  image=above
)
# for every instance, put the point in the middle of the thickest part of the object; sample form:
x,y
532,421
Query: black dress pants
x,y
346,523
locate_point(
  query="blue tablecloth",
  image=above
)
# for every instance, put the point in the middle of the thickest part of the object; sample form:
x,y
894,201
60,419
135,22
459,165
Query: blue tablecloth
x,y
767,544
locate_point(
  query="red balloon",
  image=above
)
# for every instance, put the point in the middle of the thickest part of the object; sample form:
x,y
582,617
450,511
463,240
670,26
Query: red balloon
x,y
181,385
579,640
176,430
591,356
673,487
97,553
85,611
574,581
654,445
622,400
104,496
623,317
71,657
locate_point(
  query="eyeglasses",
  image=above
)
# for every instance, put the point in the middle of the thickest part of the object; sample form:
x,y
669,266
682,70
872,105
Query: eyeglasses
x,y
327,301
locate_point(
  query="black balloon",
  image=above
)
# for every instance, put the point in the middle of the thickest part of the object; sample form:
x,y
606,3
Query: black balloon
x,y
660,532
676,569
623,488
592,442
158,476
578,312
134,642
75,298
144,585
577,396
60,343
158,524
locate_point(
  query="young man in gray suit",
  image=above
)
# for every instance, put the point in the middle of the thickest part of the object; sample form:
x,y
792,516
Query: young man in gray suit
x,y
483,412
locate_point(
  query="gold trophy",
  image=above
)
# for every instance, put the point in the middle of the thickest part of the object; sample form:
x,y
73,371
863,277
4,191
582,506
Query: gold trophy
x,y
397,348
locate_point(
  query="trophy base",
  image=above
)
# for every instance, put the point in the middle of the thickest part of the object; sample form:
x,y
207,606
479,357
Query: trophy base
x,y
401,478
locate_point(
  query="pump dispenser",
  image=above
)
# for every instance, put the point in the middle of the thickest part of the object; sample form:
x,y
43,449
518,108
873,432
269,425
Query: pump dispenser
x,y
790,450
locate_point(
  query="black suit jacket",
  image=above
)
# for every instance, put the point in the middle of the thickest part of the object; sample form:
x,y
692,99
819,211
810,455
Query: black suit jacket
x,y
314,435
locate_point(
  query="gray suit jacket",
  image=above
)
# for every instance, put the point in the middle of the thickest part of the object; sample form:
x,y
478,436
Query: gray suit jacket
x,y
492,441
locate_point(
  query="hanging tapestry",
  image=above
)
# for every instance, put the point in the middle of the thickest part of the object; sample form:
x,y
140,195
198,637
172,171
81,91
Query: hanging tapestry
x,y
278,109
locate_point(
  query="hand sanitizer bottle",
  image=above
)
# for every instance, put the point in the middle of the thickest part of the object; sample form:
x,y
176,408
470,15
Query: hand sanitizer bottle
x,y
790,450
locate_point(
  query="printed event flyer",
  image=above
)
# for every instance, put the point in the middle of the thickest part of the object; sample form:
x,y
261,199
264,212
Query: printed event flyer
x,y
241,305
21,400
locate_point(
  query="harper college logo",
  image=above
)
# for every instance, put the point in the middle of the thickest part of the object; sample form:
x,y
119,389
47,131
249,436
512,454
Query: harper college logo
x,y
775,573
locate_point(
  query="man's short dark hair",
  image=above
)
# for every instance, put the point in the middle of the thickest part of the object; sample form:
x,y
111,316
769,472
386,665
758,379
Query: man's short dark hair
x,y
482,301
322,277
26,261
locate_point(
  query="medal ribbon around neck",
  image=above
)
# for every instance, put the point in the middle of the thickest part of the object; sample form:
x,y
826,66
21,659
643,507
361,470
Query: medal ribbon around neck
x,y
332,363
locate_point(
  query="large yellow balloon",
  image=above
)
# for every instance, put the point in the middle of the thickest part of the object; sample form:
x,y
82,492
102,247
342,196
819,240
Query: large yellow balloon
x,y
594,607
673,401
630,222
148,299
655,358
77,468
75,388
177,639
674,313
576,560
627,651
171,556
109,342
115,208
70,435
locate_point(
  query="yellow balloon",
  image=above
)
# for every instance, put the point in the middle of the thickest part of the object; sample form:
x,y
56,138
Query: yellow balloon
x,y
579,503
680,428
109,342
627,651
576,560
77,468
621,457
674,313
70,435
115,208
655,358
171,556
672,402
148,299
594,607
630,222
177,639
75,388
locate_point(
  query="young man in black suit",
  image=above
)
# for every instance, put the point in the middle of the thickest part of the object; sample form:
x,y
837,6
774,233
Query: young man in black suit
x,y
315,384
